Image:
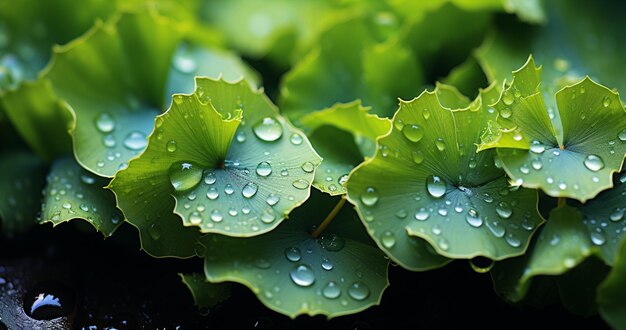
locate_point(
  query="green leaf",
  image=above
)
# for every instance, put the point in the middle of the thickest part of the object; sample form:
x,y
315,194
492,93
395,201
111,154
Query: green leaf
x,y
340,272
40,117
611,293
116,79
571,235
22,176
343,135
338,70
589,140
426,181
205,294
74,193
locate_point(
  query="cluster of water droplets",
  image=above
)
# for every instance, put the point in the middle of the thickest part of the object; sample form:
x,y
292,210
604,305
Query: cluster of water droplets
x,y
134,141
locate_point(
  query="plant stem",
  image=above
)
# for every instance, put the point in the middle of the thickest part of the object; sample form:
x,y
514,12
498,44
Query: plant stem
x,y
329,218
561,201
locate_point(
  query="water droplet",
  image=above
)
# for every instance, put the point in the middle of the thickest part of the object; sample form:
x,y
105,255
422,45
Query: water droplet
x,y
228,189
569,262
401,214
184,176
109,141
171,146
443,244
562,185
524,169
49,300
212,193
331,242
268,129
512,240
622,136
249,190
135,141
473,218
154,231
302,275
507,98
195,218
388,239
327,264
216,215
87,179
426,113
597,237
331,290
536,164
358,291
413,133
296,139
606,101
268,216
369,197
435,186
418,157
504,210
506,113
241,137
184,63
264,169
422,214
308,167
262,263
105,123
440,144
537,147
594,163
496,228
617,215
272,199
301,184
343,179
293,254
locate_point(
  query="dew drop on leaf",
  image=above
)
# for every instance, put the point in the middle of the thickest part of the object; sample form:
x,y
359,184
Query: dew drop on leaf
x,y
413,133
388,239
496,228
331,290
440,144
617,215
210,178
293,254
241,137
264,169
212,193
473,218
228,189
504,210
195,218
308,167
302,275
216,215
272,199
597,237
435,186
105,123
507,98
268,216
426,113
135,141
418,157
606,101
301,184
422,214
443,244
512,240
327,264
296,139
369,197
536,164
537,147
184,176
594,163
268,129
524,169
622,136
358,291
154,231
343,179
171,146
249,190
87,179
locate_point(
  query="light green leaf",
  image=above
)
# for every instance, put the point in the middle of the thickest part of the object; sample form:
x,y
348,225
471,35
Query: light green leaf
x,y
205,294
570,236
117,77
590,139
343,135
74,193
22,176
340,272
351,63
426,181
611,292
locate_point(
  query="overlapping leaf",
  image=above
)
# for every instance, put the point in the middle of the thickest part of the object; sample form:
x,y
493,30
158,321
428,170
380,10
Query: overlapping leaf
x,y
226,177
589,140
611,293
340,272
117,78
571,235
74,193
343,135
205,294
426,182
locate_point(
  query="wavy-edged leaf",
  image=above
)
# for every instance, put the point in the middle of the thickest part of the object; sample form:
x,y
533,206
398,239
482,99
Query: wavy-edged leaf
x,y
612,291
205,294
115,80
589,139
571,235
426,181
343,135
351,63
74,193
340,272
22,176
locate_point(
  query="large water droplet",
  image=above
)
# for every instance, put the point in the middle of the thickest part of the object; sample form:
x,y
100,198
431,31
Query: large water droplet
x,y
617,215
331,290
473,218
594,163
135,141
358,291
388,239
496,228
301,184
524,169
413,133
436,186
184,176
105,123
195,218
512,240
302,275
228,189
418,157
327,264
507,98
109,141
268,216
249,190
440,144
268,129
369,197
264,169
296,139
426,113
216,215
308,167
49,300
212,193
422,214
332,242
504,210
536,164
622,136
293,254
171,146
537,147
597,237
272,199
